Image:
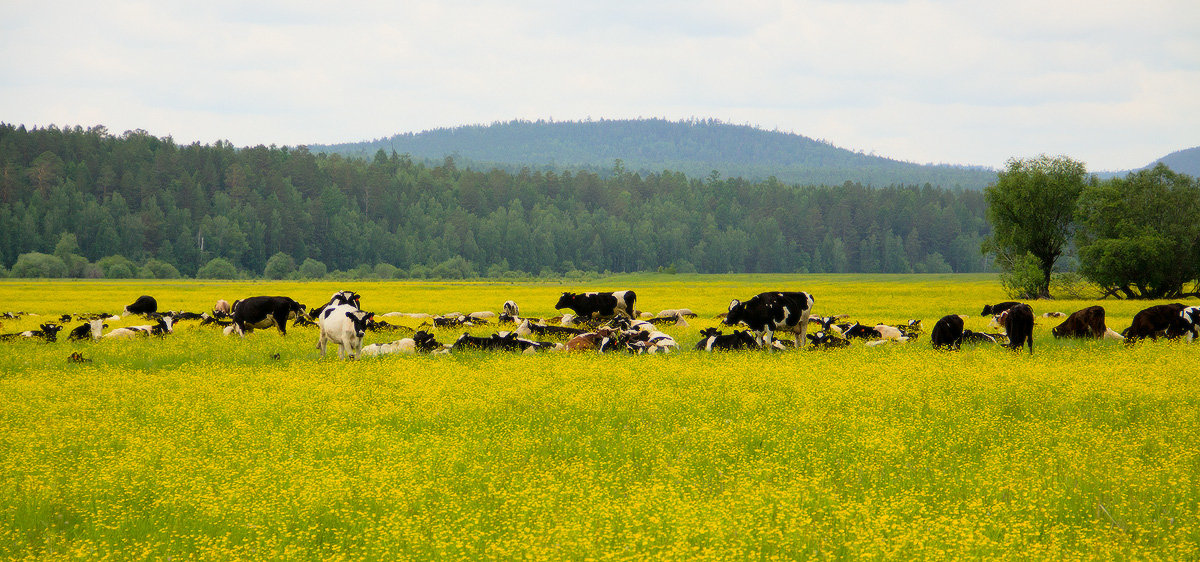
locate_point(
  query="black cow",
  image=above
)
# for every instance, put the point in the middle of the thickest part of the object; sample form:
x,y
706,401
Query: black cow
x,y
857,330
769,312
994,309
1018,324
713,340
980,337
263,312
144,304
526,328
584,305
1156,321
947,332
48,332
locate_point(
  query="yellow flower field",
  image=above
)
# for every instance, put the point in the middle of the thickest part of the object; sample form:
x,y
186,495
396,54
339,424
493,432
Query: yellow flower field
x,y
203,446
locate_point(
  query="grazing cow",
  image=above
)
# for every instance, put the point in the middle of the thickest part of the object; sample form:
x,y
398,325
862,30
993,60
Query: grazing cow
x,y
222,307
91,328
163,327
584,305
769,312
144,304
344,325
1086,323
1155,321
48,332
994,309
822,340
1018,324
264,312
947,332
526,328
303,321
713,340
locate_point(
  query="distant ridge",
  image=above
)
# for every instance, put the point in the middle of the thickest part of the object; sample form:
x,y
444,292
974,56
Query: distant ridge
x,y
694,147
1185,161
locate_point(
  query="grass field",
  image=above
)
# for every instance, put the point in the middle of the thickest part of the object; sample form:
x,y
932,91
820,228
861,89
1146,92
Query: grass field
x,y
202,446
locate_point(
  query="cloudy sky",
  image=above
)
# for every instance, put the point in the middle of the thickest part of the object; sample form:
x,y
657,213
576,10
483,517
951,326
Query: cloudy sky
x,y
1115,84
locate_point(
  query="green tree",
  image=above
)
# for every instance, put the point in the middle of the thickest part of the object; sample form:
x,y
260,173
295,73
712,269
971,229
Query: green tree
x,y
279,266
217,268
117,267
1138,235
35,264
1032,207
313,269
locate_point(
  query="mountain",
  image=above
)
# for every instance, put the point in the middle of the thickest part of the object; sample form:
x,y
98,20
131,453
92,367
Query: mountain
x,y
694,147
1182,162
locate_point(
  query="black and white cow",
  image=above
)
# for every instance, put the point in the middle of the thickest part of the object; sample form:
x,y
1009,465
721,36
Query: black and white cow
x,y
264,312
769,312
504,341
48,332
822,340
1189,324
511,309
947,332
562,332
713,340
345,326
90,329
162,327
341,297
584,305
144,304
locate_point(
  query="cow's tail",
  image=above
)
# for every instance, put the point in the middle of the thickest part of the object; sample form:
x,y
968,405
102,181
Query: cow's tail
x,y
1031,342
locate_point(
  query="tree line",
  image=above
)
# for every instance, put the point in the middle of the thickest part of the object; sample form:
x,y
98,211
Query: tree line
x,y
87,203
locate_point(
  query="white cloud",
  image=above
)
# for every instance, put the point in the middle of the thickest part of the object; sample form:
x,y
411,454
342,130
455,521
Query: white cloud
x,y
1111,84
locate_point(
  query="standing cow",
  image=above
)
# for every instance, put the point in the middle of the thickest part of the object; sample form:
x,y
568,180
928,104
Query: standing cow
x,y
345,326
1156,321
1018,324
144,304
264,312
605,305
769,312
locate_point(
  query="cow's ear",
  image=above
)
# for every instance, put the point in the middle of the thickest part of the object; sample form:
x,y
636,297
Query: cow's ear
x,y
369,316
350,313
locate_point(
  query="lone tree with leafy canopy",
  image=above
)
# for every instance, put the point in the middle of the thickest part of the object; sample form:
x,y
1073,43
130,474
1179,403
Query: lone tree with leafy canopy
x,y
1139,236
1032,207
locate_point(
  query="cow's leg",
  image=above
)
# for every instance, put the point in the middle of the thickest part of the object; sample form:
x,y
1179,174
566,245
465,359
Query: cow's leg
x,y
321,344
281,318
241,330
801,335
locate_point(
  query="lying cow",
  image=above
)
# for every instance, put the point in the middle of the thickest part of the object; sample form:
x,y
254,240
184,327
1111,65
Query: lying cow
x,y
947,332
528,328
421,342
144,304
90,329
48,332
161,328
822,340
713,340
344,325
264,312
604,305
766,313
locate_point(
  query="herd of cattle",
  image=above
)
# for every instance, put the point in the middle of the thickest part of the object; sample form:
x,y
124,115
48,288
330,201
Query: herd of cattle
x,y
609,321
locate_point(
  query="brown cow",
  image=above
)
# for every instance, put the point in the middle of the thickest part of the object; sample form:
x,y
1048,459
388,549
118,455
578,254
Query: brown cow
x,y
1154,321
1086,323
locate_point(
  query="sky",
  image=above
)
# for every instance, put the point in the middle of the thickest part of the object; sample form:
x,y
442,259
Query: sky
x,y
1113,84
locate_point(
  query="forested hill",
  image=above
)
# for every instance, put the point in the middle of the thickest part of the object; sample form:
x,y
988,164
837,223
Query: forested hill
x,y
1182,161
695,148
81,202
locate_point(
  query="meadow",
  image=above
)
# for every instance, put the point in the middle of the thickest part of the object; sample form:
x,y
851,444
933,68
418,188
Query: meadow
x,y
203,446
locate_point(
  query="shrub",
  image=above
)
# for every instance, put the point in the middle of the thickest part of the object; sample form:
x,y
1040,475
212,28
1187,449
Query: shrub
x,y
279,266
36,264
161,269
312,269
217,268
117,267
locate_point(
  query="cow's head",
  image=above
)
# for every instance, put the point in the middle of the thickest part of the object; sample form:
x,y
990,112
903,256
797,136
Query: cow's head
x,y
425,341
96,327
51,330
987,309
359,319
565,301
345,297
736,311
709,333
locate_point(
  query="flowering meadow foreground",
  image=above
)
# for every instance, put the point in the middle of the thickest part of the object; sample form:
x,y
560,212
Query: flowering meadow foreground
x,y
205,446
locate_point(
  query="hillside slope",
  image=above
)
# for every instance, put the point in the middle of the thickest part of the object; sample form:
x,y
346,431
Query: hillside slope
x,y
695,147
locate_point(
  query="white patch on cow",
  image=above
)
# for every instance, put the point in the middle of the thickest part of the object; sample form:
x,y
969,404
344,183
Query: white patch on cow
x,y
1109,334
96,327
340,325
888,332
